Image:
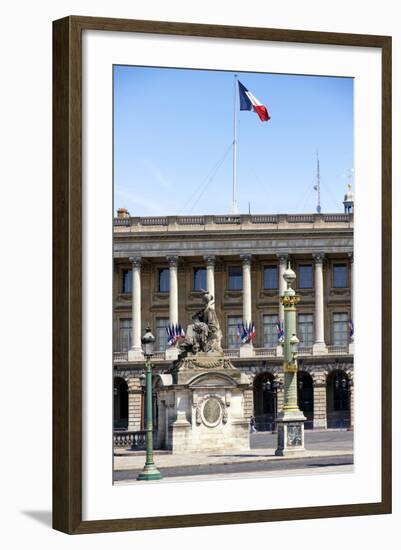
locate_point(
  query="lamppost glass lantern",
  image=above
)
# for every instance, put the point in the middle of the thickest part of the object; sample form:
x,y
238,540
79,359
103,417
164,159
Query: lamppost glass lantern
x,y
267,385
148,343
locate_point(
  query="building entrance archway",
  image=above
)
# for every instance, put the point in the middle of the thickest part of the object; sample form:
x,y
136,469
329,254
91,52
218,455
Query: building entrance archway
x,y
305,397
120,404
338,400
265,402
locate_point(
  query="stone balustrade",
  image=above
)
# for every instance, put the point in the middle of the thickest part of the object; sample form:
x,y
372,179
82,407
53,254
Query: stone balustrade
x,y
304,351
242,221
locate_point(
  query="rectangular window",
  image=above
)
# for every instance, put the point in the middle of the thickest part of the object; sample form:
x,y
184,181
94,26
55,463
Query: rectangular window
x,y
125,334
200,278
305,276
164,280
232,332
305,329
340,275
127,281
161,333
270,277
340,329
270,339
235,278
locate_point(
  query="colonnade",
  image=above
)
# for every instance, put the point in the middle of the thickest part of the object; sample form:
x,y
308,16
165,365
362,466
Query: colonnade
x,y
319,345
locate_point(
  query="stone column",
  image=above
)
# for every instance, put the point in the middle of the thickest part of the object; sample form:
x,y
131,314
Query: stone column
x,y
319,403
351,264
246,292
136,353
282,259
351,404
319,347
135,394
210,261
171,353
351,288
173,261
246,350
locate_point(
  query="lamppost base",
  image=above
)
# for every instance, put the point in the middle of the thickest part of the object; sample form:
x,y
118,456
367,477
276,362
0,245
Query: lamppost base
x,y
149,473
290,436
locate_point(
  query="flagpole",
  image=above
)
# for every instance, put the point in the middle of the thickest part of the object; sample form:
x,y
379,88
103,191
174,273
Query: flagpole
x,y
234,206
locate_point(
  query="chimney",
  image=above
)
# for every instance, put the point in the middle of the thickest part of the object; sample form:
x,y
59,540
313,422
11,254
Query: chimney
x,y
122,213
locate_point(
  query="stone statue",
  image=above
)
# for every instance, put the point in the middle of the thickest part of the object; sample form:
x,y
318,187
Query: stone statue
x,y
204,335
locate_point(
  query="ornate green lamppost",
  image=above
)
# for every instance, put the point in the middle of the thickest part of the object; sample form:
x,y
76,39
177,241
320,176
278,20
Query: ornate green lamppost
x,y
149,472
290,421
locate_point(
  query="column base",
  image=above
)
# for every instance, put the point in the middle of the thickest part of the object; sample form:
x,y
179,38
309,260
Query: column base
x,y
319,348
351,348
247,350
135,354
319,424
181,419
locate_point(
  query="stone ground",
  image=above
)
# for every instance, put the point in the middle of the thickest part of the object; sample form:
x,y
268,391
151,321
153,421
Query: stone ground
x,y
331,449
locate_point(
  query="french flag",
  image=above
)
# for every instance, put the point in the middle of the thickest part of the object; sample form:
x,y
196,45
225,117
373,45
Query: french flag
x,y
248,102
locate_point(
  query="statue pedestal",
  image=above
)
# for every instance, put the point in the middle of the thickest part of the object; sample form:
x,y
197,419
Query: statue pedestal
x,y
201,406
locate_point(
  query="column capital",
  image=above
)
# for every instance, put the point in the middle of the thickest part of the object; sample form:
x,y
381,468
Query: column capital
x,y
246,259
136,261
210,260
351,257
318,257
282,257
173,261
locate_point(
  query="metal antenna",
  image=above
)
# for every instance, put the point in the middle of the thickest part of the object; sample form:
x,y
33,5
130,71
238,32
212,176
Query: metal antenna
x,y
317,186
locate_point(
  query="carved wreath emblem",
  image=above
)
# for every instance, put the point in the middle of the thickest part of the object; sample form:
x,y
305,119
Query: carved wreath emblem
x,y
210,410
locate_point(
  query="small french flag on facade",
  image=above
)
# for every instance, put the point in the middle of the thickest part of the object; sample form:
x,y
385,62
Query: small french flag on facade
x,y
248,102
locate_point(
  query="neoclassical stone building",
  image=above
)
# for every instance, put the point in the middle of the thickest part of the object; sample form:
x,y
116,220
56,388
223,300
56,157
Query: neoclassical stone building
x,y
161,265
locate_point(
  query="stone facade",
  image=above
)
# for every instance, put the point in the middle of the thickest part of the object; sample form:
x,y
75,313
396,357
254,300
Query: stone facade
x,y
178,249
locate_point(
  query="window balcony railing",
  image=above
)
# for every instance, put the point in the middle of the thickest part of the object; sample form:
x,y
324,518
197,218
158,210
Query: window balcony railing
x,y
337,349
232,352
305,350
265,352
120,356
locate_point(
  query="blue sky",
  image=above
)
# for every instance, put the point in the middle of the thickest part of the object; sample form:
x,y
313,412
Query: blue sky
x,y
173,132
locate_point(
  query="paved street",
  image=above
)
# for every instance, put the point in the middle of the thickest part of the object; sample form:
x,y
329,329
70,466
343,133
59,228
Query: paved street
x,y
328,451
245,467
338,440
